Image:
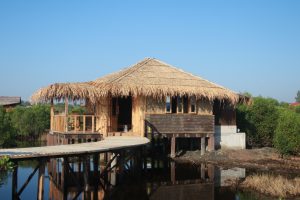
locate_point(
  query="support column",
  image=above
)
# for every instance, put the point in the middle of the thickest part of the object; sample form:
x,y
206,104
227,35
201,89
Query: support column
x,y
14,188
86,170
202,146
173,175
51,115
66,113
41,176
173,146
211,143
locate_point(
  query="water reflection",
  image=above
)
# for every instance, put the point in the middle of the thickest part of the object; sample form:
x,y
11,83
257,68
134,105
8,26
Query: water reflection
x,y
95,177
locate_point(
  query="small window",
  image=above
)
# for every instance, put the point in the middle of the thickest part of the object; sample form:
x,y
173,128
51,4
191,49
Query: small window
x,y
174,105
193,104
168,104
185,104
179,104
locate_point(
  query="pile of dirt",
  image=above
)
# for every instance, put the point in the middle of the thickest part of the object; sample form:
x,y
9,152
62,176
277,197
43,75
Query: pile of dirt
x,y
263,159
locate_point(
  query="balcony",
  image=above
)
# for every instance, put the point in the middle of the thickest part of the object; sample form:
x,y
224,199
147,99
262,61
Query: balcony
x,y
73,123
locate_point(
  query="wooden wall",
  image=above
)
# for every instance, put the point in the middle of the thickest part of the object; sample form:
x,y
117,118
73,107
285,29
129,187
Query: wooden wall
x,y
138,115
103,115
182,124
224,114
204,107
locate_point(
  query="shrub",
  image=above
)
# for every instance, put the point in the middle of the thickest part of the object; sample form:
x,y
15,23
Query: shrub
x,y
258,120
287,134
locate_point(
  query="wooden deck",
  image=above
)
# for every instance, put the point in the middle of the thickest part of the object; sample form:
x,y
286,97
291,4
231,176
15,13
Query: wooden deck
x,y
108,144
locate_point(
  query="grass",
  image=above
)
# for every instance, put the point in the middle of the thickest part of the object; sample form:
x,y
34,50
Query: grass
x,y
278,186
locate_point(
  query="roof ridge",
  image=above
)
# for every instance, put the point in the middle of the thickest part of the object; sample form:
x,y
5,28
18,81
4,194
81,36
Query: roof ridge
x,y
181,70
132,69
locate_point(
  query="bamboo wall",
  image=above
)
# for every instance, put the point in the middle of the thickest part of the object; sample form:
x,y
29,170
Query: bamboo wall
x,y
103,113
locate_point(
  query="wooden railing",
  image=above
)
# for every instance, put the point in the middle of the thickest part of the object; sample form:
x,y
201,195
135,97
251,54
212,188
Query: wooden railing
x,y
74,123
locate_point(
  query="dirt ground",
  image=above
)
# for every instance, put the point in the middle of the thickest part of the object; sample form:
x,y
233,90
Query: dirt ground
x,y
262,159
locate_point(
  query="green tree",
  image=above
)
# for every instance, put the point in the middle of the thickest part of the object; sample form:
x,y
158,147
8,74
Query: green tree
x,y
287,134
298,97
31,121
259,120
7,133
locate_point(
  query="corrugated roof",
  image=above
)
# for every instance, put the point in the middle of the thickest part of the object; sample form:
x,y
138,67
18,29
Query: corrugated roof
x,y
6,100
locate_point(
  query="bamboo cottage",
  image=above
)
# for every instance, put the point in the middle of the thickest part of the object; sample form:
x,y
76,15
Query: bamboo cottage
x,y
149,98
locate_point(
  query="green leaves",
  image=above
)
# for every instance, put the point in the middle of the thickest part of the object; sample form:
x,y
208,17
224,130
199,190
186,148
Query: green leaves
x,y
287,134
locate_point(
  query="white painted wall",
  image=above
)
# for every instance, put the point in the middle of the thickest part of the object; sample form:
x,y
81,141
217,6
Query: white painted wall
x,y
227,137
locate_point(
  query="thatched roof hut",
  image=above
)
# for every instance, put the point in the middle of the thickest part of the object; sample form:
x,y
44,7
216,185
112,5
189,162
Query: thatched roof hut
x,y
150,77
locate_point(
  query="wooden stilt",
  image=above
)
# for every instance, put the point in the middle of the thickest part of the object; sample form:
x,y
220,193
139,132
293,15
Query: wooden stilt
x,y
173,146
15,183
202,171
202,146
41,175
96,175
173,175
211,143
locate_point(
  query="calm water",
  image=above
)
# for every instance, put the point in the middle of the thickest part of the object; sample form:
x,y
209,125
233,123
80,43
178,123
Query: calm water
x,y
157,179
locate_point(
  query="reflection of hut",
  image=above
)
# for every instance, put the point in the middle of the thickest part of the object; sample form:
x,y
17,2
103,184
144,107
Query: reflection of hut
x,y
150,96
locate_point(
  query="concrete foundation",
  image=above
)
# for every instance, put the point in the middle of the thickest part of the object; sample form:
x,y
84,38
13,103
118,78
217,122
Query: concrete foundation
x,y
227,137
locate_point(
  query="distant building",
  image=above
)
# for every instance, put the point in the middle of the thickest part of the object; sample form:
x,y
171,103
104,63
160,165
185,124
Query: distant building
x,y
295,104
9,102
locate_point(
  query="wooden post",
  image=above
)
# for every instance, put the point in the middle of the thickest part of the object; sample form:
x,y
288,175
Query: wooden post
x,y
211,143
15,183
93,123
202,171
86,170
41,175
96,175
202,146
173,175
66,113
64,177
84,121
173,146
51,115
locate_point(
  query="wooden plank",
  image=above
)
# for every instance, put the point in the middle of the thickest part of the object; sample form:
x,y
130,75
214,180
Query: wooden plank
x,y
108,144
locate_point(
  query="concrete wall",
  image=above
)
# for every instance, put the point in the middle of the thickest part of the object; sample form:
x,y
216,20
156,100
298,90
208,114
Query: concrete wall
x,y
227,137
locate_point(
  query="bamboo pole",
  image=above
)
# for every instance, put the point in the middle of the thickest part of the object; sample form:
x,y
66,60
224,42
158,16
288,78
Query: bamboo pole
x,y
66,113
41,181
51,115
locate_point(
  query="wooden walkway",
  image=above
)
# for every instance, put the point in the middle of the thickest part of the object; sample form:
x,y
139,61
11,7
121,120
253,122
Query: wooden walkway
x,y
108,144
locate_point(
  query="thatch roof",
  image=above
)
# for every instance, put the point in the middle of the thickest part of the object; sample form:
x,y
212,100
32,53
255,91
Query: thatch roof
x,y
59,91
6,101
152,77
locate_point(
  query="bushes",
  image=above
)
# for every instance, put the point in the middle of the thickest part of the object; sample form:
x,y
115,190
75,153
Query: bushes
x,y
258,120
287,134
27,122
269,123
31,121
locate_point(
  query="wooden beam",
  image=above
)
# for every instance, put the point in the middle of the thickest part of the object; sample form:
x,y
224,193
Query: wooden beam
x,y
202,146
173,147
173,175
40,193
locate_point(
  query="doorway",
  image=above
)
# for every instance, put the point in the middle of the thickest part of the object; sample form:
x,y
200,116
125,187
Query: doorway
x,y
122,112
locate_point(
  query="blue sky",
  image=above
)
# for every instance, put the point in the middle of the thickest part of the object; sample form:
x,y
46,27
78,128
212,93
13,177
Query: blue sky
x,y
244,45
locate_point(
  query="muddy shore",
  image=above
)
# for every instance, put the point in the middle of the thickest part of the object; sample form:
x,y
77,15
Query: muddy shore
x,y
263,159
